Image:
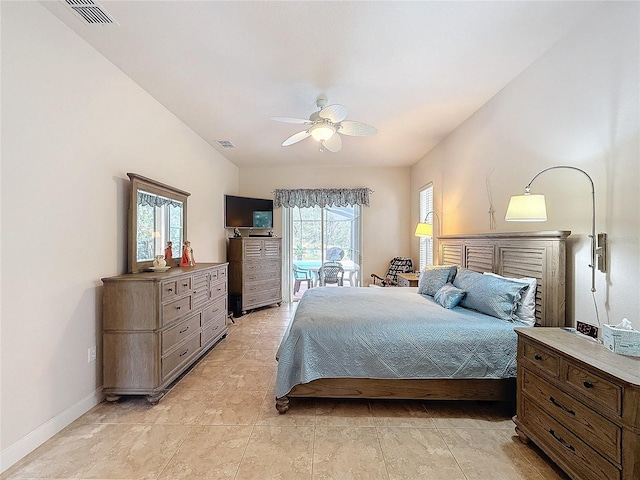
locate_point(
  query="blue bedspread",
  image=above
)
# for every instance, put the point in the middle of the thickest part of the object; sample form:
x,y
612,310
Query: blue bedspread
x,y
390,333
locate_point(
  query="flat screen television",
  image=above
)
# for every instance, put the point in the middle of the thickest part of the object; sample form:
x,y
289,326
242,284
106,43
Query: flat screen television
x,y
246,212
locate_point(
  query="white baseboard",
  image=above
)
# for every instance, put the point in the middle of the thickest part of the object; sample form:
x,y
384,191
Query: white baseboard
x,y
20,449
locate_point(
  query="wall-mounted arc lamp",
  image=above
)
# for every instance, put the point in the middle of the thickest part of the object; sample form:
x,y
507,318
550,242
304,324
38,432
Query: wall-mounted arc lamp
x,y
424,229
532,208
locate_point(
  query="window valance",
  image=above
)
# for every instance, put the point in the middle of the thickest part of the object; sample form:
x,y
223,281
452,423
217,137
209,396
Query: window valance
x,y
321,197
153,200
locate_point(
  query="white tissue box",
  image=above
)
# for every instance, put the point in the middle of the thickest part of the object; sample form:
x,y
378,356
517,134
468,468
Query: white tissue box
x,y
618,340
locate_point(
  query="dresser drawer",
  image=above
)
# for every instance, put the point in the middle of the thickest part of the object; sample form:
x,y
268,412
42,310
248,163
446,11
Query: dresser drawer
x,y
169,290
175,309
218,290
562,444
598,389
213,329
183,285
541,358
201,292
267,267
177,334
603,435
251,288
214,310
200,295
262,297
180,355
219,274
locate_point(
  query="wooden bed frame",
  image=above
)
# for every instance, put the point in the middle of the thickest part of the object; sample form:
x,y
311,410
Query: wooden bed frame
x,y
534,254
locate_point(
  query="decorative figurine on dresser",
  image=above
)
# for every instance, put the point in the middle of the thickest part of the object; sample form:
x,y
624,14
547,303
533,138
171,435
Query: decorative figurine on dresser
x,y
157,324
187,255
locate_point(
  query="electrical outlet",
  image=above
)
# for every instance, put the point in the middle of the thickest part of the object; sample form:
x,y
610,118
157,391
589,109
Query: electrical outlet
x,y
587,329
91,354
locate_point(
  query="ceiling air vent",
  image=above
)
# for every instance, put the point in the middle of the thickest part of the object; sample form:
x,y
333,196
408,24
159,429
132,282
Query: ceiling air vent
x,y
225,144
90,11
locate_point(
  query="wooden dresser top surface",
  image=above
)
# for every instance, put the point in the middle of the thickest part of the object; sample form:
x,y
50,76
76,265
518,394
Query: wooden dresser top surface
x,y
172,272
596,355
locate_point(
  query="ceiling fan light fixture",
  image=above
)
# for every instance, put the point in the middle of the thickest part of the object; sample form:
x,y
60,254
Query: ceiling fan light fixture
x,y
322,132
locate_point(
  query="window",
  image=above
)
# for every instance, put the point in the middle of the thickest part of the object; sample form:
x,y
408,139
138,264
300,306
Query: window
x,y
426,243
315,235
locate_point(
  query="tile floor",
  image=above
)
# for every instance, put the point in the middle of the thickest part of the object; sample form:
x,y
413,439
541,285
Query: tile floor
x,y
219,422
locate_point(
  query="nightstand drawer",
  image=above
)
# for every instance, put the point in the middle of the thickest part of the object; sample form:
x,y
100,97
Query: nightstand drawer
x,y
542,358
598,389
585,462
603,435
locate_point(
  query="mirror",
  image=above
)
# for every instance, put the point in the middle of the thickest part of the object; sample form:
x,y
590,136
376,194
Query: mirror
x,y
157,219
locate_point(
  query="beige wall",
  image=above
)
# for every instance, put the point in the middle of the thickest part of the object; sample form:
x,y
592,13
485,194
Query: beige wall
x,y
72,126
386,222
577,105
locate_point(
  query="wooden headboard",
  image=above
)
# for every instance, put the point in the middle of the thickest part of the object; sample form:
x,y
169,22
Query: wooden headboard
x,y
533,254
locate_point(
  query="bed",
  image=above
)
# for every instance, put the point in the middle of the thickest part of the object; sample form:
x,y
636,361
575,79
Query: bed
x,y
396,343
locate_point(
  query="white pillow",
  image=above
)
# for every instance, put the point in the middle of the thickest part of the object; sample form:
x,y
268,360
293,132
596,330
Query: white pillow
x,y
526,311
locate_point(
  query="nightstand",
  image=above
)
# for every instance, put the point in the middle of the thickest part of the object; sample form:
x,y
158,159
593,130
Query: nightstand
x,y
578,402
408,280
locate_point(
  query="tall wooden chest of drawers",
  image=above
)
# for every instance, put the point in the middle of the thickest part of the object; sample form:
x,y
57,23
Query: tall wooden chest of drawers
x,y
579,403
255,270
156,325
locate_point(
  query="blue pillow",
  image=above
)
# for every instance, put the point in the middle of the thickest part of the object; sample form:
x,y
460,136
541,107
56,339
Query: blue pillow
x,y
434,277
495,296
449,296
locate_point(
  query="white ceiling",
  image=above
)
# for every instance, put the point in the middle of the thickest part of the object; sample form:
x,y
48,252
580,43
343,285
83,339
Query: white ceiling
x,y
414,70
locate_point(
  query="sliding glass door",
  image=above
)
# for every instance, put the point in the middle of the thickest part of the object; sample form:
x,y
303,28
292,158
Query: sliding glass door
x,y
317,237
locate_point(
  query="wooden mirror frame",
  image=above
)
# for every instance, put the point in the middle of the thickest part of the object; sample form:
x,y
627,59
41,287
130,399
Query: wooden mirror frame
x,y
138,182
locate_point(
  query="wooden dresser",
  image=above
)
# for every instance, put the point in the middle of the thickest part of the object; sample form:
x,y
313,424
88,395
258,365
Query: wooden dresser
x,y
255,270
579,403
156,325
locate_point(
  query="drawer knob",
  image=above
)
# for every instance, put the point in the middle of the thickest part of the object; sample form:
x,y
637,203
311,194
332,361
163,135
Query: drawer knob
x,y
537,356
562,442
178,307
185,284
587,384
561,407
184,353
170,289
182,331
215,310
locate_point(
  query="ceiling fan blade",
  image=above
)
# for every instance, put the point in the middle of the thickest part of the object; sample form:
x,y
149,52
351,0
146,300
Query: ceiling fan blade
x,y
334,113
333,144
295,138
300,121
356,129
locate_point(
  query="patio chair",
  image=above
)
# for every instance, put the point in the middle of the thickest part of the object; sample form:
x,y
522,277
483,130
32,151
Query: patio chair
x,y
301,275
331,272
334,254
396,266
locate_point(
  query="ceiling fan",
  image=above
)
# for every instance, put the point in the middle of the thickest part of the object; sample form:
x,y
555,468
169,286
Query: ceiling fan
x,y
324,124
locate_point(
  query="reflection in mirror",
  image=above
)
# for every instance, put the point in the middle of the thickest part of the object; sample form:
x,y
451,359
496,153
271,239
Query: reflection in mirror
x,y
157,222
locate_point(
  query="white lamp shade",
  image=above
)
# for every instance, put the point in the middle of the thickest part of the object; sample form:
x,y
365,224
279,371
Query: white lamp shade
x,y
424,230
526,208
322,132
